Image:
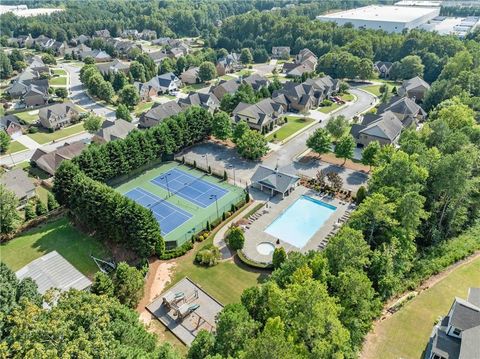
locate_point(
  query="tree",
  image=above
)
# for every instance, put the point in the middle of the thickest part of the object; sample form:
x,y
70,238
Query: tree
x,y
92,123
4,141
89,60
235,238
345,147
252,145
246,56
369,154
120,80
337,126
123,113
6,69
239,130
105,91
29,211
202,346
320,141
9,217
260,55
207,71
222,125
51,202
279,256
129,96
361,195
49,59
61,92
102,285
335,181
129,283
137,71
410,66
40,208
208,255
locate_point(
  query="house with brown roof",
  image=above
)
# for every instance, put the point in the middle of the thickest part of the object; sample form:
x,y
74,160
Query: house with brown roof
x,y
261,116
18,182
50,161
113,130
158,113
57,116
190,76
11,125
305,62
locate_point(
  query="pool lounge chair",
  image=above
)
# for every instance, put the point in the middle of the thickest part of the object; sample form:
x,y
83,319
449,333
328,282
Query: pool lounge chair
x,y
172,298
185,310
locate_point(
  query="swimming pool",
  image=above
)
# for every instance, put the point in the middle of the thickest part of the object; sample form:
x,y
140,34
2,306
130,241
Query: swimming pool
x,y
299,222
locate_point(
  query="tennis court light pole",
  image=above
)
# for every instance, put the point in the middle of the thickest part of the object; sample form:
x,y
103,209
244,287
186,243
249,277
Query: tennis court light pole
x,y
166,179
233,169
206,159
216,203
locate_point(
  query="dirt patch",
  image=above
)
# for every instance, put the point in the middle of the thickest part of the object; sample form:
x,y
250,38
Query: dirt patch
x,y
330,158
159,275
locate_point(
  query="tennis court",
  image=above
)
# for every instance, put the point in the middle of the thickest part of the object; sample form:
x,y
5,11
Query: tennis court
x,y
168,215
193,189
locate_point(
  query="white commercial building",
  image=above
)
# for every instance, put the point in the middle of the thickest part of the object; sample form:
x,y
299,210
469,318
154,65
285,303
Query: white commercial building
x,y
387,18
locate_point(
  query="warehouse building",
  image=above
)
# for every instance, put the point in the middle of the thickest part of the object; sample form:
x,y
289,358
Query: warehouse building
x,y
387,18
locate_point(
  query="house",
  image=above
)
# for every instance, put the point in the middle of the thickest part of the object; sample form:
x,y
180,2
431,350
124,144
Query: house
x,y
228,64
158,56
113,67
18,182
146,90
387,124
383,68
415,88
97,55
79,40
78,50
123,47
457,335
261,116
11,126
305,62
50,161
158,113
147,34
306,56
35,95
190,76
274,181
113,130
160,84
206,100
224,87
281,52
53,271
57,116
129,33
256,81
102,33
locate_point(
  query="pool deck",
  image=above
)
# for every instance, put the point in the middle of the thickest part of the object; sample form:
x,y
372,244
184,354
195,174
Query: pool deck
x,y
255,232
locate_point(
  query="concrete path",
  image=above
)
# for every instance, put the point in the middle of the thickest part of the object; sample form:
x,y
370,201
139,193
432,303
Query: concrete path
x,y
28,142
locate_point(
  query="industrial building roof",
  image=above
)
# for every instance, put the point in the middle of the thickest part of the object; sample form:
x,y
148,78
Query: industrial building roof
x,y
381,13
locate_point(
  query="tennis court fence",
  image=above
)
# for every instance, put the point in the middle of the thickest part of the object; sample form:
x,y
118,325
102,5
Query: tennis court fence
x,y
220,212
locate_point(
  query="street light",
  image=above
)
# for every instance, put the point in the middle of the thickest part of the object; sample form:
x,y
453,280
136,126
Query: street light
x,y
166,179
233,169
216,202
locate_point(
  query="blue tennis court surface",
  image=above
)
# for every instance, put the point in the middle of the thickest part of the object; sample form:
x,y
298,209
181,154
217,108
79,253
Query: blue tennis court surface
x,y
168,215
193,189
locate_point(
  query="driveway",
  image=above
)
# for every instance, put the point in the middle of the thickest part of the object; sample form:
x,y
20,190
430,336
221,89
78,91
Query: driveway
x,y
78,94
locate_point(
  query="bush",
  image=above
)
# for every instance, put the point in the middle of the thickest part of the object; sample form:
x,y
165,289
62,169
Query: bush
x,y
326,103
361,194
40,208
208,256
279,256
177,252
235,238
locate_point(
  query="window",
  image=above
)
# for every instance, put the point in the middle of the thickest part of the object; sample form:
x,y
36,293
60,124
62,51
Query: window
x,y
457,331
436,356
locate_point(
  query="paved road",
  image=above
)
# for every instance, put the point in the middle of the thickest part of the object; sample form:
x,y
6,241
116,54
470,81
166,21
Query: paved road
x,y
79,96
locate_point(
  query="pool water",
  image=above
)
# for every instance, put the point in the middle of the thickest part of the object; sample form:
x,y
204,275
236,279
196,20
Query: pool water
x,y
299,222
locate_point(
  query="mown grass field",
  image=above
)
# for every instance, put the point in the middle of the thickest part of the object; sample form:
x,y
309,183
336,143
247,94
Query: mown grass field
x,y
375,89
58,235
15,146
405,334
43,137
29,116
328,109
293,125
58,81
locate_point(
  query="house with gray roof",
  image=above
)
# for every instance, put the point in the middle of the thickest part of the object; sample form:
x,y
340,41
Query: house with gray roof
x,y
18,182
415,88
228,64
260,116
280,52
50,161
158,113
113,67
113,130
405,109
305,62
226,87
457,335
102,33
97,55
158,85
158,56
11,125
190,76
206,100
54,271
273,181
382,68
256,81
58,115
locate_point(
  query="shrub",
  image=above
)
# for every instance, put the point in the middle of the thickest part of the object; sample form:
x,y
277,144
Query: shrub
x,y
29,211
361,194
40,208
225,176
279,256
208,256
177,252
326,103
235,238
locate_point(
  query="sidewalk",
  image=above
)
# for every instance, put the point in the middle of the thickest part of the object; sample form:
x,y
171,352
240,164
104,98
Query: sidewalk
x,y
28,142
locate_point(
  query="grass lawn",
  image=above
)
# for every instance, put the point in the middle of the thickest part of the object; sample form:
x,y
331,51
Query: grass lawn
x,y
193,87
393,336
45,137
29,116
328,109
347,97
58,81
59,72
244,72
42,193
293,125
375,89
225,281
142,107
15,146
58,235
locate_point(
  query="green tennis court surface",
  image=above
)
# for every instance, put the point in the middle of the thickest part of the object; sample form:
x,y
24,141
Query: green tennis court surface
x,y
184,205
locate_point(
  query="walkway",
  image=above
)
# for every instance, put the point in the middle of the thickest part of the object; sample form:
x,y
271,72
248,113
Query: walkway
x,y
28,142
